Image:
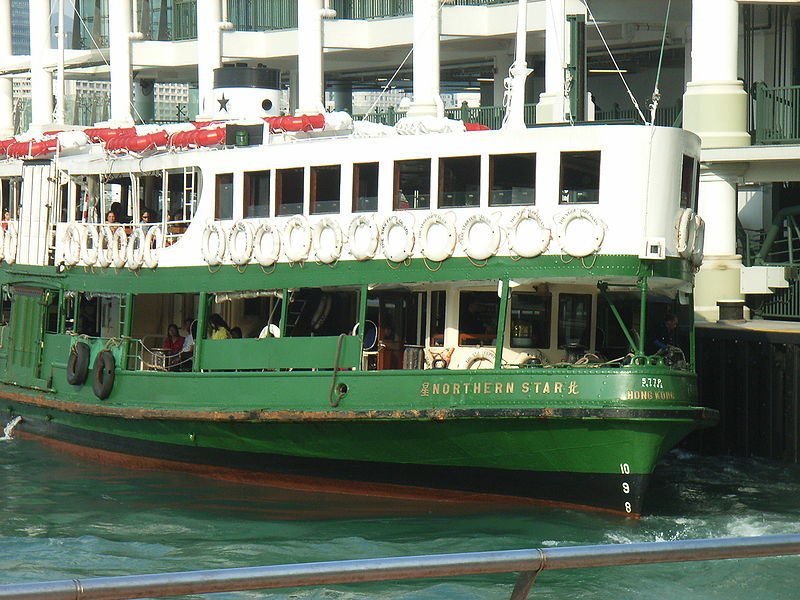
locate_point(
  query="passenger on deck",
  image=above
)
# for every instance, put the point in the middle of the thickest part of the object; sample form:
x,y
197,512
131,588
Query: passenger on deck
x,y
236,333
174,341
187,350
218,328
665,335
111,218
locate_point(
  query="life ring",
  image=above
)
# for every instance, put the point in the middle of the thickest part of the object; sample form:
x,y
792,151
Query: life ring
x,y
580,233
687,231
89,251
397,239
362,237
528,236
438,237
119,248
105,248
296,239
327,240
699,241
477,358
2,242
135,250
103,374
213,255
78,363
322,311
153,243
477,245
10,243
268,257
240,253
73,242
441,360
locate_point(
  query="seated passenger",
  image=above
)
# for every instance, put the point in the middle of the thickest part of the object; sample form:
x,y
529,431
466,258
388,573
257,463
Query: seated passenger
x,y
174,341
187,350
218,328
236,333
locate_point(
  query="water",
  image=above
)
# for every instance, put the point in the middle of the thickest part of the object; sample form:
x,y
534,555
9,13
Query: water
x,y
63,518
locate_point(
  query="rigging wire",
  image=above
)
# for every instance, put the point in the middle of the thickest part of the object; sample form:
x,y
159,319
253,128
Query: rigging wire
x,y
656,92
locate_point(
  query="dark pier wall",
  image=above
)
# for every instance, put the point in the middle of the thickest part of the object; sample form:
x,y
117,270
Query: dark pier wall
x,y
752,377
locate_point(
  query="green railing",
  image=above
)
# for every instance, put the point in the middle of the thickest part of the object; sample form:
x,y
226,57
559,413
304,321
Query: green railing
x,y
184,20
783,304
491,116
667,116
777,114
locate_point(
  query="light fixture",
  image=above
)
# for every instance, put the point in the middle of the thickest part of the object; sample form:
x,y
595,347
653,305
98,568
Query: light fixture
x,y
485,79
608,70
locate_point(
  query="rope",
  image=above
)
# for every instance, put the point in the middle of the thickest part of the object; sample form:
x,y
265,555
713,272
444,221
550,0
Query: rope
x,y
656,92
335,402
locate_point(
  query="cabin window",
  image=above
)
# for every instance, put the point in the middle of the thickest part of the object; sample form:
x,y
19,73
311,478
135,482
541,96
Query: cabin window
x,y
512,179
574,320
412,184
10,198
580,178
224,196
689,177
256,194
477,318
325,184
151,193
438,303
530,320
115,200
87,199
289,191
459,181
365,187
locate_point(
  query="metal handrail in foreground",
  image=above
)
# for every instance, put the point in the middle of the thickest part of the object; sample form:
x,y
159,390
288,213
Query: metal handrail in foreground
x,y
527,562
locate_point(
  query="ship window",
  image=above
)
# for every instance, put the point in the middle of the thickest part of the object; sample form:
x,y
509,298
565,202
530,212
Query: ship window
x,y
289,191
512,179
412,184
224,196
477,318
530,320
150,193
325,184
574,320
256,194
580,178
365,187
438,299
689,183
10,198
459,181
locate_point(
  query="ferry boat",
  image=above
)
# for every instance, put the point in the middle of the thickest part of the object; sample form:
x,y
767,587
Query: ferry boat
x,y
429,309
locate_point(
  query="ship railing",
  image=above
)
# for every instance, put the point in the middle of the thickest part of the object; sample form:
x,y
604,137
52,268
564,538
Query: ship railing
x,y
528,563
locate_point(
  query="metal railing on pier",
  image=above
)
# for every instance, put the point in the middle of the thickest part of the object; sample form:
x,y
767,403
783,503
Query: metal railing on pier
x,y
529,563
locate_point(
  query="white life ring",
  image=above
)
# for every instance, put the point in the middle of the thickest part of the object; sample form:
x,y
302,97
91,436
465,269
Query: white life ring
x,y
479,360
240,253
580,233
268,257
73,242
480,238
438,237
153,244
699,241
119,248
327,240
686,233
3,241
135,250
397,239
296,239
10,242
362,237
105,247
213,255
528,236
89,251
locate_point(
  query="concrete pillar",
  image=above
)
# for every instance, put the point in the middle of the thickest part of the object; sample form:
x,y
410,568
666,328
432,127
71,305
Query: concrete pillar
x,y
6,89
120,24
309,57
427,27
144,101
41,79
715,103
552,105
209,53
343,96
719,277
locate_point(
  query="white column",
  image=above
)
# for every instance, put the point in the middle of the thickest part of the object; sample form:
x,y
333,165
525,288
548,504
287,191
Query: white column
x,y
6,98
515,111
41,79
427,101
120,23
719,277
309,57
715,104
552,104
209,52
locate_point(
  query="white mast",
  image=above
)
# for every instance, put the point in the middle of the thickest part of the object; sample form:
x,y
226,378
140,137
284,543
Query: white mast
x,y
427,25
6,88
58,114
310,14
41,78
209,52
514,100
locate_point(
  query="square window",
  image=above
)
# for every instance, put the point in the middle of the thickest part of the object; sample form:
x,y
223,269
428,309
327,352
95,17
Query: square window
x,y
580,177
512,179
459,181
224,198
256,194
325,182
365,187
412,184
289,191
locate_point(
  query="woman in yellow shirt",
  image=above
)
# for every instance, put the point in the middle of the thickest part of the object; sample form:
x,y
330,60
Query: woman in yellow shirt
x,y
218,328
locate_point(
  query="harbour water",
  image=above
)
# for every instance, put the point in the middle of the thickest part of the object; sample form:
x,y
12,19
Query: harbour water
x,y
62,517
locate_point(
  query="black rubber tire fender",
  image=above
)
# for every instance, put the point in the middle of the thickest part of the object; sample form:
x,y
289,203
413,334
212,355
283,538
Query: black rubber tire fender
x,y
103,374
78,363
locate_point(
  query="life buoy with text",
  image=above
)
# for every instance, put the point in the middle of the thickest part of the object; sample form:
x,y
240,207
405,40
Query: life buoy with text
x,y
327,240
90,243
103,374
267,244
480,238
105,247
528,236
72,244
438,237
153,244
78,363
480,359
240,242
296,239
699,241
362,238
579,232
135,250
686,233
213,252
397,239
119,248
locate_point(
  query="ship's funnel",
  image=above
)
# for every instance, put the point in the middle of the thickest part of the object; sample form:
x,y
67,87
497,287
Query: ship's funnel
x,y
246,92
